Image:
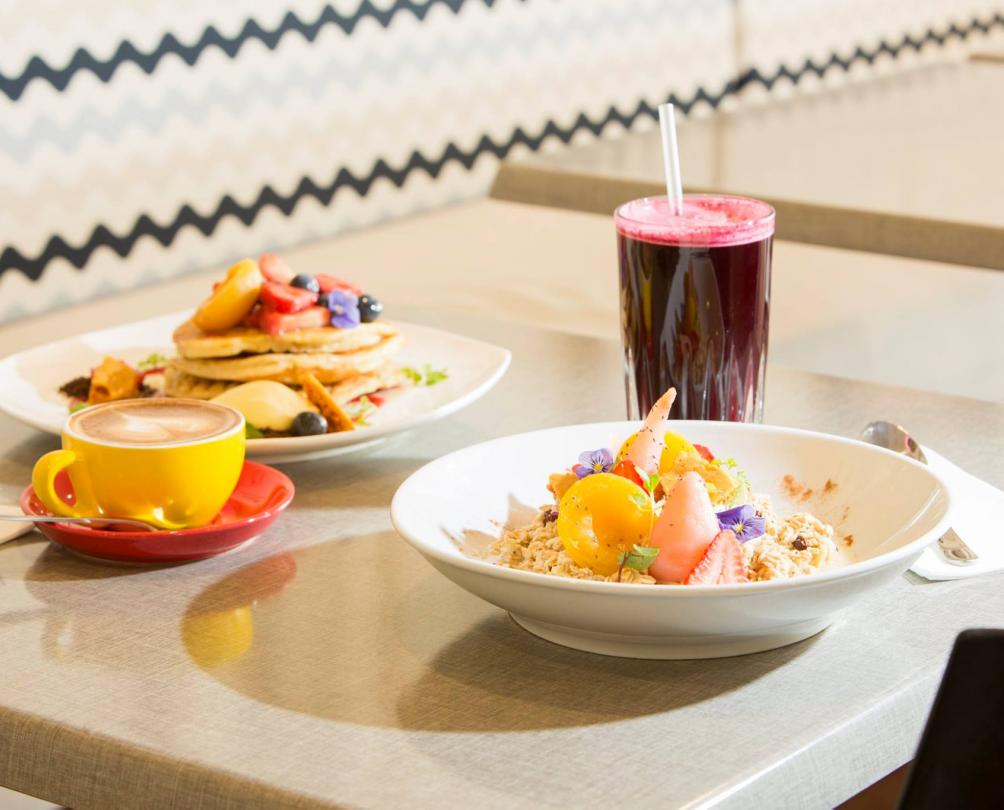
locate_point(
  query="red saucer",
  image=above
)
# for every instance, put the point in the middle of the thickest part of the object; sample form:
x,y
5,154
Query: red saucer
x,y
262,493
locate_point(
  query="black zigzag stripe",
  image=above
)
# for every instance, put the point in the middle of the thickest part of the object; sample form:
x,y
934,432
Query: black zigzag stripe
x,y
835,60
37,68
57,247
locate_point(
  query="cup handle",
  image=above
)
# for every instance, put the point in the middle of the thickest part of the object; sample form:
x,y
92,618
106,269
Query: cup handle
x,y
43,479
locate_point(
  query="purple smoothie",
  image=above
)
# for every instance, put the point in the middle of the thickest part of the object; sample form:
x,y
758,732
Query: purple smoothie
x,y
695,294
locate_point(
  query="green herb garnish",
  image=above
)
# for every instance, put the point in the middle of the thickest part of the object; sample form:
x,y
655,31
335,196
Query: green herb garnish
x,y
433,376
364,406
652,482
153,361
744,490
427,376
639,558
78,407
739,493
251,432
639,500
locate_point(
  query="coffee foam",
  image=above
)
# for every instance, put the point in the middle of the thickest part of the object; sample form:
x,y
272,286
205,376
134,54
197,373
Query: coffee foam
x,y
153,422
709,221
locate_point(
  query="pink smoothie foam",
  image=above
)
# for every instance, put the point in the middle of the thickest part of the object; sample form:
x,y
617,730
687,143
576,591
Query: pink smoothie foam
x,y
712,221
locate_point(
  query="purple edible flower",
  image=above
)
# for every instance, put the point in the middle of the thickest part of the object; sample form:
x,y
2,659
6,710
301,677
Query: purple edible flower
x,y
594,461
743,521
344,309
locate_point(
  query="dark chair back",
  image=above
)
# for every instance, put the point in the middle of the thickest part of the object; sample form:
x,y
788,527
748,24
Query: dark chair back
x,y
960,761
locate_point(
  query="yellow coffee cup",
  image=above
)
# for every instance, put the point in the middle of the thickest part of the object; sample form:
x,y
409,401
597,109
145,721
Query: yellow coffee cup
x,y
170,462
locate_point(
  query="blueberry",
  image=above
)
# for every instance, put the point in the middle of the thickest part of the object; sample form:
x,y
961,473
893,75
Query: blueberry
x,y
309,423
369,308
305,281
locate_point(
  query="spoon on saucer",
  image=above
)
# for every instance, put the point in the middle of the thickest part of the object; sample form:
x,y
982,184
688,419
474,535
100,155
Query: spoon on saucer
x,y
129,522
893,437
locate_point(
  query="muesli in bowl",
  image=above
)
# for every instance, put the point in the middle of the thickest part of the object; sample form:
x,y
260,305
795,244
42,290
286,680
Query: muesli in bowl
x,y
664,510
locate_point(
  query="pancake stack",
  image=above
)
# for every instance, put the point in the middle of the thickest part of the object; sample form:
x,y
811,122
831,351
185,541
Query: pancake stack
x,y
349,362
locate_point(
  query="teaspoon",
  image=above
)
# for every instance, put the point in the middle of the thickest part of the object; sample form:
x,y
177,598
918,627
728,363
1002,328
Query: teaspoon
x,y
135,524
893,437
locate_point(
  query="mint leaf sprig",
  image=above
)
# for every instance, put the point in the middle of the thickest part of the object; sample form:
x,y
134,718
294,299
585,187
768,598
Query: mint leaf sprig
x,y
745,488
155,360
652,482
365,407
427,376
640,500
433,376
639,558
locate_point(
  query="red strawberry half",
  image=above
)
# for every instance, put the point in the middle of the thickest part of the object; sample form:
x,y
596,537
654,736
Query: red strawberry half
x,y
706,454
282,298
274,269
722,563
252,319
328,283
275,323
627,469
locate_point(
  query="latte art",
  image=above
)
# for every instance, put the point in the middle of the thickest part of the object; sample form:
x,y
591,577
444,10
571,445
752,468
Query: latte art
x,y
153,421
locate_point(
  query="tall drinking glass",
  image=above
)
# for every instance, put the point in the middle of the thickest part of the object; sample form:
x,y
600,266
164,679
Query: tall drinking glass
x,y
695,300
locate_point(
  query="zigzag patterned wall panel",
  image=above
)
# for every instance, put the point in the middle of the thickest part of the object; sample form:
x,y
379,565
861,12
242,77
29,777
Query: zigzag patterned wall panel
x,y
138,143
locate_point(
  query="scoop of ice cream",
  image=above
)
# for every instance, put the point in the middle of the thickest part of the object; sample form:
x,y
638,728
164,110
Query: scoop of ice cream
x,y
266,404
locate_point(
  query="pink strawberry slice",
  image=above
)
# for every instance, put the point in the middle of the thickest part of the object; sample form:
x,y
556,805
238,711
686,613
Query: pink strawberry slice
x,y
283,298
722,563
274,269
328,283
275,323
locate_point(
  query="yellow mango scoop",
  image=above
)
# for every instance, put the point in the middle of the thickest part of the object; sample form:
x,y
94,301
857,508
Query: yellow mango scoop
x,y
601,516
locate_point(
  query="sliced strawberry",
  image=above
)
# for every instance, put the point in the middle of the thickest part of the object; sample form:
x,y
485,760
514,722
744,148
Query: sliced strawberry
x,y
329,283
253,318
283,298
706,454
275,323
627,469
274,269
722,563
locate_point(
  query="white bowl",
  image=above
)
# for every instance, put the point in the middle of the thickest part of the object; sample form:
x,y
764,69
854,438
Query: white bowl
x,y
453,508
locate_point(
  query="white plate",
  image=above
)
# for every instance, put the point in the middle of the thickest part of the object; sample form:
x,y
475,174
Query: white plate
x,y
29,382
892,506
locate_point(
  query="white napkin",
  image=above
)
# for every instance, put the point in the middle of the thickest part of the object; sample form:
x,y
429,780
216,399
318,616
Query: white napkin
x,y
978,509
8,528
